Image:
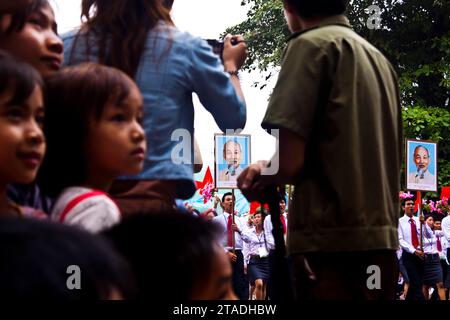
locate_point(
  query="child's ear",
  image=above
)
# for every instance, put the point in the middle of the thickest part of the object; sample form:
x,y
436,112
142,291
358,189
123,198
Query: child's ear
x,y
5,22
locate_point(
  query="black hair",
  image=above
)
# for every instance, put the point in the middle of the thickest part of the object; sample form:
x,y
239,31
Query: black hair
x,y
413,199
168,4
262,212
35,259
21,77
169,252
318,8
228,194
436,216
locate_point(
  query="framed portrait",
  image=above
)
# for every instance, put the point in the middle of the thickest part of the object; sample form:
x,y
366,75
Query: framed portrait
x,y
421,165
231,157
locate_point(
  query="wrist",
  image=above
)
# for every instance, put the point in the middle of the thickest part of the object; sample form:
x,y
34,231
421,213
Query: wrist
x,y
233,73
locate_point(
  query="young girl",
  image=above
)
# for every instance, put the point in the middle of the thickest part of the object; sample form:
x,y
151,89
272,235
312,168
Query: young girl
x,y
29,33
258,265
432,266
22,143
94,135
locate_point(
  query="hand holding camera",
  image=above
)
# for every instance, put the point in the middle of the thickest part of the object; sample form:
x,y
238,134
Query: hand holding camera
x,y
234,53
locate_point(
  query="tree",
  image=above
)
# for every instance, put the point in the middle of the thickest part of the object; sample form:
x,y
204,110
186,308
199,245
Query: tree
x,y
414,36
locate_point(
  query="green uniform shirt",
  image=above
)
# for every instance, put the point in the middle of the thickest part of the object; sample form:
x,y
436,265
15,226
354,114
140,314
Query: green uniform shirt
x,y
340,94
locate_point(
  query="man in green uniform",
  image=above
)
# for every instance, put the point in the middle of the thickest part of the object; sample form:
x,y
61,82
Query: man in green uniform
x,y
337,107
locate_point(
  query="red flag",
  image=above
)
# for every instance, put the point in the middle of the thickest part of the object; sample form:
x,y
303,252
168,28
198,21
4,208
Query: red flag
x,y
418,201
445,192
206,179
255,205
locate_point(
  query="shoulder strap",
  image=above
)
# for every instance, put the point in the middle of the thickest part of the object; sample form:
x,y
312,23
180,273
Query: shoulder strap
x,y
76,201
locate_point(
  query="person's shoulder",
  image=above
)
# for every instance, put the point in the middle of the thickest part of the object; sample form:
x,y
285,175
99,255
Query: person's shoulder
x,y
81,197
177,36
70,34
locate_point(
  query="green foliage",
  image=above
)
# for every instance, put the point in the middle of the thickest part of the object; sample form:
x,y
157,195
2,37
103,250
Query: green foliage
x,y
265,32
415,37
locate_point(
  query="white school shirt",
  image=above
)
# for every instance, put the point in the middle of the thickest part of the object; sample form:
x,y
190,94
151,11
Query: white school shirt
x,y
430,244
257,242
404,233
95,213
445,245
222,220
268,227
445,225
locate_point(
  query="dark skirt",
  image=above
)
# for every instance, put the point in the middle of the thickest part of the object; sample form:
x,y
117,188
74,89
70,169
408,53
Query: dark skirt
x,y
403,271
258,268
432,270
447,279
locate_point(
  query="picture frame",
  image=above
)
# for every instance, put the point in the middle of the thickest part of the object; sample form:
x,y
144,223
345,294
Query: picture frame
x,y
232,154
421,165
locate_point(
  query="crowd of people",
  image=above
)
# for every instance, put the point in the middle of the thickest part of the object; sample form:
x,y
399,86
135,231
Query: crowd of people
x,y
423,254
88,180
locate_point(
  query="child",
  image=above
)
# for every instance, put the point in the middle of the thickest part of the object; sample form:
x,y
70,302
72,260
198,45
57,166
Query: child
x,y
29,33
94,135
22,143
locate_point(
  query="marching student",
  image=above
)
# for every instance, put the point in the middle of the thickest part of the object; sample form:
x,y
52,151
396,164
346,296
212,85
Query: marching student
x,y
446,229
234,249
268,227
412,255
258,263
432,262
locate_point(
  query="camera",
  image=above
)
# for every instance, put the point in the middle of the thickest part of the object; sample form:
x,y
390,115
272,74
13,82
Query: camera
x,y
217,46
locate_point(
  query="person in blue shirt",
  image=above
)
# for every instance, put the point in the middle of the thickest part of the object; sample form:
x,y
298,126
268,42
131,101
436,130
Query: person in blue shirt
x,y
139,37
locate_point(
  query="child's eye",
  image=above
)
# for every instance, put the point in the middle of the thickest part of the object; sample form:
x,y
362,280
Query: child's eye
x,y
40,120
15,115
118,118
36,22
